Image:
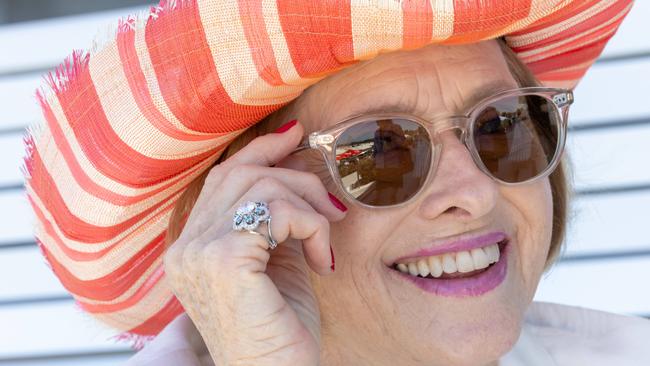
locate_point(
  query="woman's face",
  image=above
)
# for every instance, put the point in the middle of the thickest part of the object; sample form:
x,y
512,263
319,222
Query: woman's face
x,y
368,310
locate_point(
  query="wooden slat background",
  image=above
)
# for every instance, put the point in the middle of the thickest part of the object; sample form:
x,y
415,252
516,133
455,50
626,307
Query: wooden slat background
x,y
607,259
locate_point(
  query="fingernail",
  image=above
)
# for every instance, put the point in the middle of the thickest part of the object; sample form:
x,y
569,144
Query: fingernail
x,y
337,203
285,127
332,252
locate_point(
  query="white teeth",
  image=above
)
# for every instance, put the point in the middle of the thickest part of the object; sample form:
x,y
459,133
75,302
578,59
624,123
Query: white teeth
x,y
463,261
479,258
413,269
435,265
492,253
402,267
448,264
423,268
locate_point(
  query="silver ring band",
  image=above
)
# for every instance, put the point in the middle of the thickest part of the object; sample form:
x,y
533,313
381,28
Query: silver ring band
x,y
272,242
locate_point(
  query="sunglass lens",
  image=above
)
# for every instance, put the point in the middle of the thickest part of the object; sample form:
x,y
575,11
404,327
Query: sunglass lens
x,y
383,162
517,137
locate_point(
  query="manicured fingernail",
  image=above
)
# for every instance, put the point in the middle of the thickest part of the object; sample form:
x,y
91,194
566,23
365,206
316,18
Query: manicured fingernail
x,y
337,203
286,127
332,252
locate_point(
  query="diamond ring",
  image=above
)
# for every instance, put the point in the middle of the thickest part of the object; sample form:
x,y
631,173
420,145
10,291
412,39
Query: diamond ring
x,y
250,215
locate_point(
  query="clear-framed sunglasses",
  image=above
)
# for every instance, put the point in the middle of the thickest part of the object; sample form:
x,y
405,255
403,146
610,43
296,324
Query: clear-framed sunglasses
x,y
384,160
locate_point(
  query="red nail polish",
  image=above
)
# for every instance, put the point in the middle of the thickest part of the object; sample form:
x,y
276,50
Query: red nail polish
x,y
332,252
286,127
337,203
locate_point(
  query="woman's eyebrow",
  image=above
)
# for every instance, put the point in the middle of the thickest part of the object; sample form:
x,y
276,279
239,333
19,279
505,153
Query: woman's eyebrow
x,y
486,90
395,106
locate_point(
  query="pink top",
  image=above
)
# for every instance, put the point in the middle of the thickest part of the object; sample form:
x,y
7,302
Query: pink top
x,y
552,335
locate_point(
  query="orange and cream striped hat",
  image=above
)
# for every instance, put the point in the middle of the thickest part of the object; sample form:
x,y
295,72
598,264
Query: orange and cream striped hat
x,y
129,124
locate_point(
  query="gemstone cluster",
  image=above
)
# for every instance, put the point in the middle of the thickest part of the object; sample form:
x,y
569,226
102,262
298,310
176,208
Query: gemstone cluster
x,y
250,215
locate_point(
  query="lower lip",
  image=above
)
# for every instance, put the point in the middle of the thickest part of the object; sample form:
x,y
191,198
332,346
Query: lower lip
x,y
463,287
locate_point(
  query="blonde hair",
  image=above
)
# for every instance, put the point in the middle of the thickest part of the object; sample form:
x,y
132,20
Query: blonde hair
x,y
558,179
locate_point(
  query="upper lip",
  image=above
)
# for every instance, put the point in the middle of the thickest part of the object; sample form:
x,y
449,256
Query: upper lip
x,y
460,244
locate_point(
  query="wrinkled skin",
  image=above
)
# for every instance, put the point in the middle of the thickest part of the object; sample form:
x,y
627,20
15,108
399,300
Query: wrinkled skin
x,y
362,314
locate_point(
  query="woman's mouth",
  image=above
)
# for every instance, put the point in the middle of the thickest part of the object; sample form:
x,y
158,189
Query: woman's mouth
x,y
463,273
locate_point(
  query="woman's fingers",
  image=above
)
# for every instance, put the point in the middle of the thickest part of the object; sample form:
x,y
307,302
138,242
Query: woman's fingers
x,y
264,150
298,201
292,217
310,227
306,185
242,252
250,164
268,149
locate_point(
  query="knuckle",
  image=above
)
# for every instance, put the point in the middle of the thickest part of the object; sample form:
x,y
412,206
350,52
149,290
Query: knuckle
x,y
238,172
171,257
229,174
189,257
280,207
270,184
313,180
232,253
214,255
312,185
213,174
310,180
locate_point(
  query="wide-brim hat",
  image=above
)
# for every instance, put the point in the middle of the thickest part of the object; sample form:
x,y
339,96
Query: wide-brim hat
x,y
128,125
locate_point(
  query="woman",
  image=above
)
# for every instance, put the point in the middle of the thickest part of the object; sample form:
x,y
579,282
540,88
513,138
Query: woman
x,y
280,309
437,268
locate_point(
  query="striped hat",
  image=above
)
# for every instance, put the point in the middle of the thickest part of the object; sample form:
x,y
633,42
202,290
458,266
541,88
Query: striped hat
x,y
127,126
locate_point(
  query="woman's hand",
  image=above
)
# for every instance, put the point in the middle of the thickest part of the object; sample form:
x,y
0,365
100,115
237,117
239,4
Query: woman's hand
x,y
252,306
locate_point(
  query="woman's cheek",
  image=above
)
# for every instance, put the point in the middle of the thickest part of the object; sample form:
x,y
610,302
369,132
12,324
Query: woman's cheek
x,y
536,232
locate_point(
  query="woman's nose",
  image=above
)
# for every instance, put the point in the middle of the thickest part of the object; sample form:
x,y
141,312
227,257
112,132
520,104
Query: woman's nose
x,y
458,187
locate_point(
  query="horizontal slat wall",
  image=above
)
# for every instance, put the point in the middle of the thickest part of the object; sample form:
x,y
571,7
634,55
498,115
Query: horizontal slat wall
x,y
53,328
39,323
619,284
610,157
607,248
53,39
19,92
75,358
608,252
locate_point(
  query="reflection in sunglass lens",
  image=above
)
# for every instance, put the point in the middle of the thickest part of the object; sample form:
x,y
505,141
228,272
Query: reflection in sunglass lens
x,y
383,162
517,137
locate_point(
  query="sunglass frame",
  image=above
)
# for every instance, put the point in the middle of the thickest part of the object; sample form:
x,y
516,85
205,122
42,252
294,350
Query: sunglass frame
x,y
325,140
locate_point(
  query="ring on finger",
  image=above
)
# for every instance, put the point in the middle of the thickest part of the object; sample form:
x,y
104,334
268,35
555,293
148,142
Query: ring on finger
x,y
250,215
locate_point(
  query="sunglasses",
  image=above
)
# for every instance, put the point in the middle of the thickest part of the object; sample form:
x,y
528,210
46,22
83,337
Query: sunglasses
x,y
515,136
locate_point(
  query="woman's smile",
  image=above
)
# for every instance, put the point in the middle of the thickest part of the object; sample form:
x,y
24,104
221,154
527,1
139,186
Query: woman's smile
x,y
461,273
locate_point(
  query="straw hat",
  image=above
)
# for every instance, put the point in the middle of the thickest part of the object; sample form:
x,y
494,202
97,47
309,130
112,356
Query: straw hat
x,y
128,125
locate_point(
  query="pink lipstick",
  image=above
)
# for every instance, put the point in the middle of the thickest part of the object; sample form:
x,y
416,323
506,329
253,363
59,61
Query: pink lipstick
x,y
458,246
475,285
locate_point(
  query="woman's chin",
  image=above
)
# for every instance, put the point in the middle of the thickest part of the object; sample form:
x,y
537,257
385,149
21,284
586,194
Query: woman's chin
x,y
471,326
463,340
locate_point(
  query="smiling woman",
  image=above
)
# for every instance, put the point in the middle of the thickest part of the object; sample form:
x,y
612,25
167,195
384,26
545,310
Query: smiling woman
x,y
440,240
427,159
